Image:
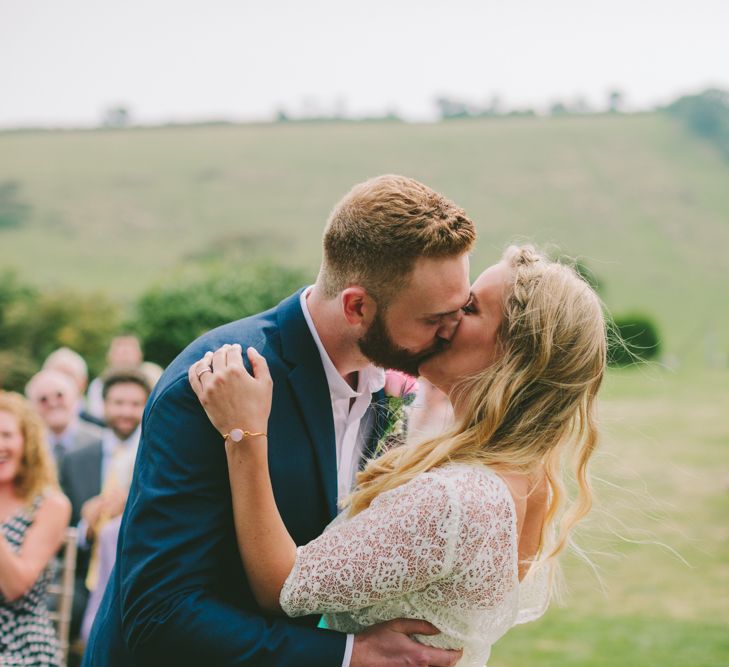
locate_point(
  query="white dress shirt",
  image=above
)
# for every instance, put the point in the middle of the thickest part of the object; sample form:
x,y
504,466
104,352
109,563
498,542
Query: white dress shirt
x,y
122,459
120,454
348,408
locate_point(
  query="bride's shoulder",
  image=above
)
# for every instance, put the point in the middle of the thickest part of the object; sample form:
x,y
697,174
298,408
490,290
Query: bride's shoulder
x,y
472,486
461,484
474,475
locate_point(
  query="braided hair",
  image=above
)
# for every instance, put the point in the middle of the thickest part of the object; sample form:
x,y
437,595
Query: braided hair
x,y
534,406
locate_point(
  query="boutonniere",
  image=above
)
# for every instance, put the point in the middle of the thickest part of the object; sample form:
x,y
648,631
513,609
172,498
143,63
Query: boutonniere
x,y
400,391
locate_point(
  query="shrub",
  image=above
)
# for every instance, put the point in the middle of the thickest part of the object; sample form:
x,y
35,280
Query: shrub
x,y
13,210
707,115
34,323
171,315
632,338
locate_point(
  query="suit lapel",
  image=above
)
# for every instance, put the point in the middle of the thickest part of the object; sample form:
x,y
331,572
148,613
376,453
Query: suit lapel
x,y
311,392
84,477
91,472
312,396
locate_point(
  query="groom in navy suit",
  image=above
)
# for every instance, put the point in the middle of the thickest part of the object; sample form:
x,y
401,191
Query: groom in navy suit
x,y
390,290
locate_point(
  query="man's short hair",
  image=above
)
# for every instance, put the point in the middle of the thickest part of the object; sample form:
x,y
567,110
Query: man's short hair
x,y
381,227
124,376
50,374
65,360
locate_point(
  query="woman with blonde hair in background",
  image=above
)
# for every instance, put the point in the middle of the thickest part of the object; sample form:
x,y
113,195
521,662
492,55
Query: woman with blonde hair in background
x,y
461,530
34,516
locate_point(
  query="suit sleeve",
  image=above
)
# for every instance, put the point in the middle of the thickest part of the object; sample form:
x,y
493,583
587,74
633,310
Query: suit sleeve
x,y
177,542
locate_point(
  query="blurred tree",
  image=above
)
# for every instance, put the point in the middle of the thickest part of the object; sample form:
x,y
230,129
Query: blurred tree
x,y
616,99
581,105
116,116
707,115
16,368
84,322
521,113
13,210
171,315
16,299
451,108
494,108
34,323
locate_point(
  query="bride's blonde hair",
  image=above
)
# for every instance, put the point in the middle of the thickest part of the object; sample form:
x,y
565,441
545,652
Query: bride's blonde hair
x,y
534,406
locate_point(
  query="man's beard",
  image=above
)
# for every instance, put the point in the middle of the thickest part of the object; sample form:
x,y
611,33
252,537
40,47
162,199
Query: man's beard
x,y
122,433
377,345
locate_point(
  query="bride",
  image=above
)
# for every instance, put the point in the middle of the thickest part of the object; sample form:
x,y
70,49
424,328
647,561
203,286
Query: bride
x,y
462,530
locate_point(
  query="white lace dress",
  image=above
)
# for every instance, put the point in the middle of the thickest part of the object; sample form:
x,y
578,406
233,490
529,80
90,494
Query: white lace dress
x,y
441,548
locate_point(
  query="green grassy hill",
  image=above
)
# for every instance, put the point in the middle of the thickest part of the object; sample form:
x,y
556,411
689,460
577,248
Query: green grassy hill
x,y
640,200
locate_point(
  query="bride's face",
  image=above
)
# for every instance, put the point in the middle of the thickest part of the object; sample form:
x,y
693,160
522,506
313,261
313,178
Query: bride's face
x,y
473,346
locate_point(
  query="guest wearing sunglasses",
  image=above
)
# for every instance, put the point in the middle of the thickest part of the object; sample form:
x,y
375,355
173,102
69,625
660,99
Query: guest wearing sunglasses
x,y
55,397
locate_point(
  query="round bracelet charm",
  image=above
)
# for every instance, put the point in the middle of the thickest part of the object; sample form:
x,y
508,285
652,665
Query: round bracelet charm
x,y
236,434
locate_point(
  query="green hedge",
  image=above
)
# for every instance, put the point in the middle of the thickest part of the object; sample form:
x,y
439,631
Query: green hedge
x,y
631,339
172,314
34,323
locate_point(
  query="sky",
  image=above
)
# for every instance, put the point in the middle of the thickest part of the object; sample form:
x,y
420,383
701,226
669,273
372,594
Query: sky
x,y
63,62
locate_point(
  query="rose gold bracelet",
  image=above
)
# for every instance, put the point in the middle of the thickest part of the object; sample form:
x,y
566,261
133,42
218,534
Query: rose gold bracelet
x,y
237,434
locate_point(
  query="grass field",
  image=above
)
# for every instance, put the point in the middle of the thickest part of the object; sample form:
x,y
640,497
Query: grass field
x,y
645,204
658,536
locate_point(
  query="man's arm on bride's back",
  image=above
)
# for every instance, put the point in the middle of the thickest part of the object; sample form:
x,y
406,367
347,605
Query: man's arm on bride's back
x,y
183,595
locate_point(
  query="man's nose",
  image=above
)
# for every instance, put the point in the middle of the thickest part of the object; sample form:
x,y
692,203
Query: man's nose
x,y
449,325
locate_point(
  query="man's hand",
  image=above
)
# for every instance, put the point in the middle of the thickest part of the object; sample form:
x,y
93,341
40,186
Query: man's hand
x,y
388,645
113,502
90,512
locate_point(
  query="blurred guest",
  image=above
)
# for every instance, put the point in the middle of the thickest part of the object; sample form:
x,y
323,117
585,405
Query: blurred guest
x,y
55,397
35,515
153,372
65,360
96,478
125,352
106,542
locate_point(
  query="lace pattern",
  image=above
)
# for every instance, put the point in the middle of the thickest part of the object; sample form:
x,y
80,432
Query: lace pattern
x,y
441,548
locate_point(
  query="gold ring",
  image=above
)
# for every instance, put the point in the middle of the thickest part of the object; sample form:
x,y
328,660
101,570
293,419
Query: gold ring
x,y
207,369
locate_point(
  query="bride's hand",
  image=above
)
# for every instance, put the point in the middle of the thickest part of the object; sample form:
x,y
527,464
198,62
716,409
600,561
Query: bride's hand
x,y
231,396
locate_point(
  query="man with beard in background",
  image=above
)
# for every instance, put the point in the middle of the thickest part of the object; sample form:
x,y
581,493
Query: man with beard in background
x,y
96,478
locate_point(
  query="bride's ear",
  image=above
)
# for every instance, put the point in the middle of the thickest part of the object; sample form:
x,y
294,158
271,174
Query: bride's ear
x,y
359,308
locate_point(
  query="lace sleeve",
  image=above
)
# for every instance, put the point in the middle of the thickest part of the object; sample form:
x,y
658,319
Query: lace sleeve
x,y
401,543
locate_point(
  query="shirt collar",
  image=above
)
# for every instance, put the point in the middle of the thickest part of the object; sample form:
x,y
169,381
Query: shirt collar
x,y
370,378
109,440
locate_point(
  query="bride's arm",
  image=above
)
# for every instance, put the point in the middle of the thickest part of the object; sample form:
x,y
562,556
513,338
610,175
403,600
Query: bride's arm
x,y
402,542
235,399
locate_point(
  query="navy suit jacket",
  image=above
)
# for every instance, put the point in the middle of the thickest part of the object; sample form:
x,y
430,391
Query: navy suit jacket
x,y
178,594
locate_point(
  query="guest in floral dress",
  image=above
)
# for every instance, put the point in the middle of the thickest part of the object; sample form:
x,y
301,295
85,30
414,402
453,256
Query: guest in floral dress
x,y
34,515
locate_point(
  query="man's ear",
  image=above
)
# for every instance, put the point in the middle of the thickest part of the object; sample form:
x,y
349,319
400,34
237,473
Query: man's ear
x,y
358,306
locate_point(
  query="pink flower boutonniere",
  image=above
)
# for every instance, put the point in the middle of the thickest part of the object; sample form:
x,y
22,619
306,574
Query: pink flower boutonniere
x,y
400,391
